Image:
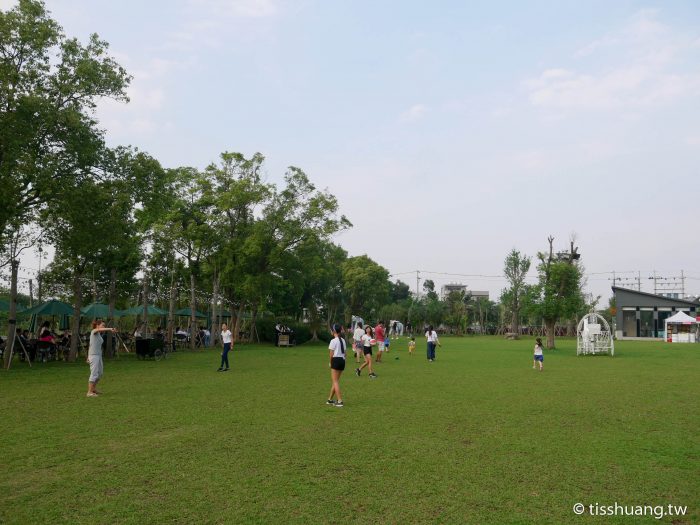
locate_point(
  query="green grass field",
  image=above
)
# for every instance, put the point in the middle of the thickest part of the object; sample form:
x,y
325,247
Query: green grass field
x,y
476,437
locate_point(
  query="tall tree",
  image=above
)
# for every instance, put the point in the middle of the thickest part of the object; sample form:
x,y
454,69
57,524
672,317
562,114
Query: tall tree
x,y
367,286
559,287
84,222
515,270
49,87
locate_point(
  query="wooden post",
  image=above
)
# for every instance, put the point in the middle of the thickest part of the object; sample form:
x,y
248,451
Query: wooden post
x,y
75,332
12,317
110,314
193,307
171,309
145,305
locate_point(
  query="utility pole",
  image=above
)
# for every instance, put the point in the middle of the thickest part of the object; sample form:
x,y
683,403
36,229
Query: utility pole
x,y
417,281
682,285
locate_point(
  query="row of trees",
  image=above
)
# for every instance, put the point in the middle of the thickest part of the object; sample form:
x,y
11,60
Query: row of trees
x,y
120,221
128,231
558,295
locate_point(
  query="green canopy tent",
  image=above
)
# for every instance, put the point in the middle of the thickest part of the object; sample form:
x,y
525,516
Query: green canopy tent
x,y
138,310
187,312
50,308
100,310
5,306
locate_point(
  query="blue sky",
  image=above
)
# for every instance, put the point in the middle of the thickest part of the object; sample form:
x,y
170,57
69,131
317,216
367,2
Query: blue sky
x,y
451,132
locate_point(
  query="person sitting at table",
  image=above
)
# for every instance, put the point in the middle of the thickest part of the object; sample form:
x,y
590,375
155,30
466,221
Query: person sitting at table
x,y
47,336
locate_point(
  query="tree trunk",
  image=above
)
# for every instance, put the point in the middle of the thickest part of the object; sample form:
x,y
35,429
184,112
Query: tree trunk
x,y
214,309
146,293
110,315
193,319
515,322
78,303
254,318
237,324
12,316
549,326
171,310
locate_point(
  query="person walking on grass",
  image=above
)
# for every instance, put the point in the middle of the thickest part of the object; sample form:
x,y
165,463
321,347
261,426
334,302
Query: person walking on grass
x,y
367,351
411,346
226,341
539,356
336,356
432,337
379,336
357,341
94,356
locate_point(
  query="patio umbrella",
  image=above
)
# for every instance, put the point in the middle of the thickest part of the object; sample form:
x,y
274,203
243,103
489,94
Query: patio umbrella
x,y
100,310
5,306
52,307
187,312
138,310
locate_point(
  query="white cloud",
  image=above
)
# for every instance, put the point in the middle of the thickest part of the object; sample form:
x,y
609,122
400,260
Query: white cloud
x,y
6,5
693,140
415,112
644,65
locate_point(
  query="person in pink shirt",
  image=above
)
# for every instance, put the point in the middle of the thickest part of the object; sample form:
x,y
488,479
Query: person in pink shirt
x,y
379,336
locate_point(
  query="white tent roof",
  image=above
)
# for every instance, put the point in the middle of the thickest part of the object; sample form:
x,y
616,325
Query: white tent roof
x,y
681,318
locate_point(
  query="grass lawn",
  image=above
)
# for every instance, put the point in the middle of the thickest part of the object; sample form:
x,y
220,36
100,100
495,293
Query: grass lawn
x,y
476,437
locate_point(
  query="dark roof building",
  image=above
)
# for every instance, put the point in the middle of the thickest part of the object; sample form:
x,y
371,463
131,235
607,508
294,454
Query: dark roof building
x,y
641,314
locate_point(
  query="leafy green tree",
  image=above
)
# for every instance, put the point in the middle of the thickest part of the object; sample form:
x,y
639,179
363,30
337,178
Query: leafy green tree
x,y
189,225
515,270
86,222
429,289
367,286
458,304
435,310
559,287
320,265
400,291
49,85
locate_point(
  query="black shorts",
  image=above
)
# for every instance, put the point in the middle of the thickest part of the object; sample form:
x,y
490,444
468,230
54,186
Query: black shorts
x,y
338,363
367,350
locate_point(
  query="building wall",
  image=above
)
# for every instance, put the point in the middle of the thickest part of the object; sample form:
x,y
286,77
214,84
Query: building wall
x,y
641,314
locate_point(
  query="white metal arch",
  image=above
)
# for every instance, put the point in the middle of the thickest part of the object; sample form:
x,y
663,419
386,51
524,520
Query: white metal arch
x,y
593,336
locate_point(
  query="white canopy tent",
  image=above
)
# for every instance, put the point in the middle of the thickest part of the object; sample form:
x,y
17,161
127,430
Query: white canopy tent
x,y
681,328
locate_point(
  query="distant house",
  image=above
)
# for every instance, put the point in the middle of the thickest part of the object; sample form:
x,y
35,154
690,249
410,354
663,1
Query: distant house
x,y
447,289
642,315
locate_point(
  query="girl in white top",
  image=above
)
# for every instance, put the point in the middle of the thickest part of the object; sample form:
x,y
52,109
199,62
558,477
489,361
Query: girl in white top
x,y
539,356
432,337
226,341
336,355
367,351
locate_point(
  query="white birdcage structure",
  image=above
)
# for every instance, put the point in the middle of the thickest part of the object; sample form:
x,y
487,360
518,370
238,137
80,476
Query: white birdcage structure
x,y
593,336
